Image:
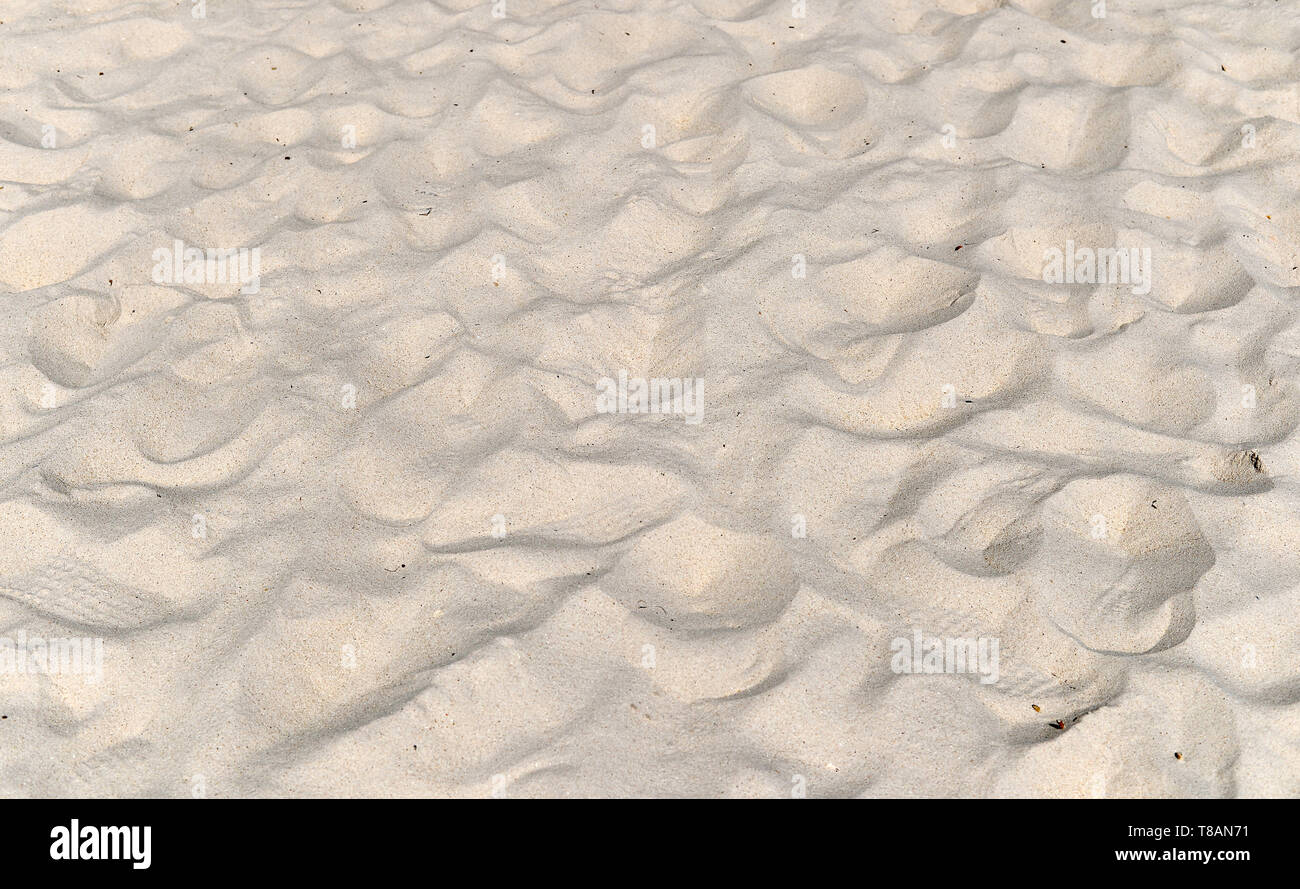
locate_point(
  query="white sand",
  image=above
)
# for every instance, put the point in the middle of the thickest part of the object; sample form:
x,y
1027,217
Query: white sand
x,y
360,528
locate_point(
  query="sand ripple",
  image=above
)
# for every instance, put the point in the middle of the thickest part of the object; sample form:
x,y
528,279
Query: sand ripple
x,y
362,529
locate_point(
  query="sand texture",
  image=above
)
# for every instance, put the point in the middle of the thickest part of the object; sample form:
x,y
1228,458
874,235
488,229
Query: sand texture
x,y
724,398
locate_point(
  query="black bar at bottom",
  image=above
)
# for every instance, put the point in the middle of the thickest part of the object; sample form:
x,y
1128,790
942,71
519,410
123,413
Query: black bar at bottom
x,y
352,839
